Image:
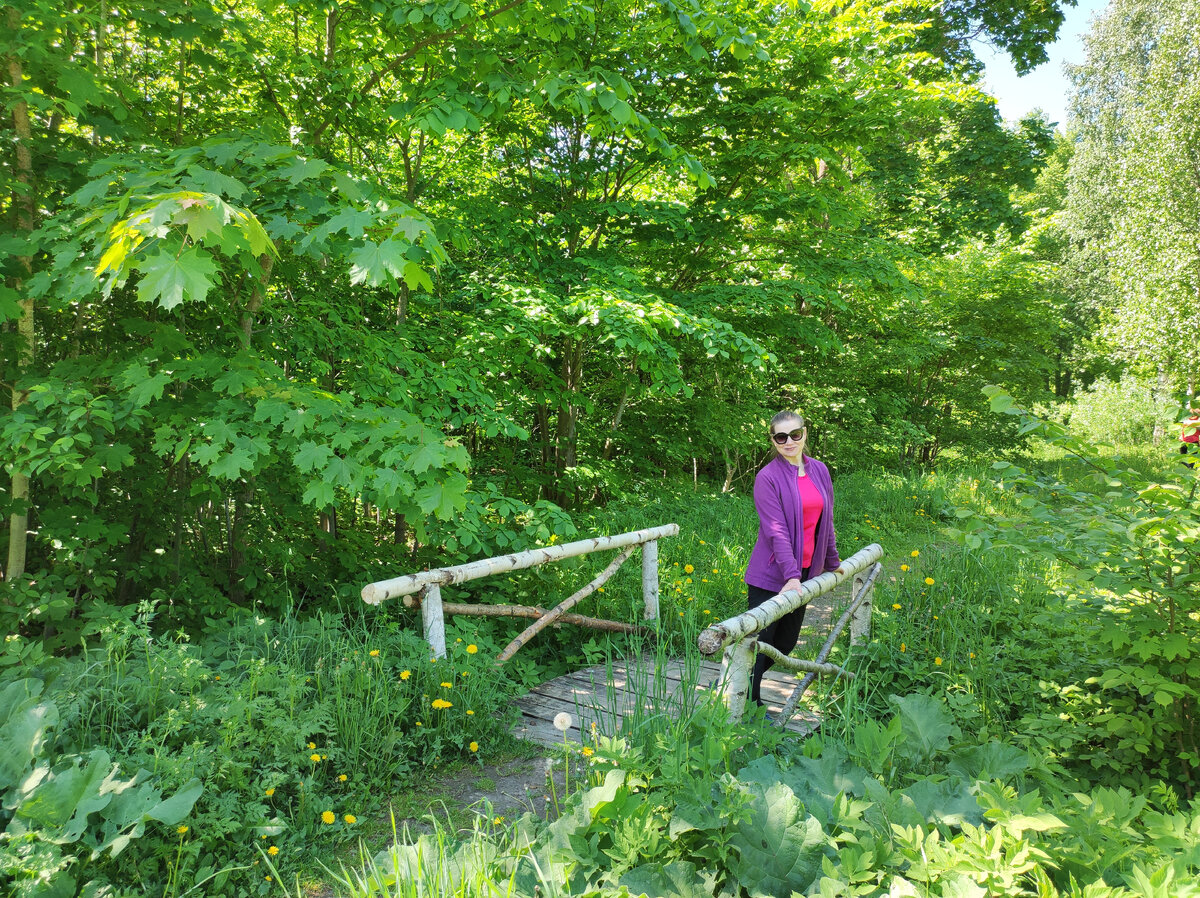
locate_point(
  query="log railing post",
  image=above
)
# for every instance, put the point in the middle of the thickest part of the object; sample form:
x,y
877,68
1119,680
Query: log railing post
x,y
860,622
735,679
433,619
650,579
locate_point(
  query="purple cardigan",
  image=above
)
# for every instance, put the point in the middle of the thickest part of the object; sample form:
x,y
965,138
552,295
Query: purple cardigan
x,y
777,554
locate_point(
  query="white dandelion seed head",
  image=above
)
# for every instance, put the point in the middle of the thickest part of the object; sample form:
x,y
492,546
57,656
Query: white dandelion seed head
x,y
562,721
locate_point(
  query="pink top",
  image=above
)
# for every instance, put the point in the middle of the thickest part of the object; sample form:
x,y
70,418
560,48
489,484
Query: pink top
x,y
811,505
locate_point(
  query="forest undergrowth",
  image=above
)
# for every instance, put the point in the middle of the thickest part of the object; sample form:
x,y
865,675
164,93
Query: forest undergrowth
x,y
995,739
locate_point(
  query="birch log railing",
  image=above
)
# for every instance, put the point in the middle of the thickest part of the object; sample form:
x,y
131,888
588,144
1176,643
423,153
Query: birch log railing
x,y
737,636
425,588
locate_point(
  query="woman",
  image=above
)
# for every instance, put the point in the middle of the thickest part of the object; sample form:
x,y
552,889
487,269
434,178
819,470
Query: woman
x,y
794,498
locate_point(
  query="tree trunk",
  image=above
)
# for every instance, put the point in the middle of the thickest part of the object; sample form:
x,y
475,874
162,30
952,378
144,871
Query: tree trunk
x,y
24,205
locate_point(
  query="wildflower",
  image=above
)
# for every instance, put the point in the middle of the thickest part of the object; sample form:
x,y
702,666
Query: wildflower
x,y
341,777
270,792
972,654
273,850
915,553
312,745
419,723
703,543
470,713
715,571
929,581
472,649
181,830
687,569
324,757
440,704
218,676
374,653
269,878
405,674
314,757
351,819
458,640
600,589
474,746
496,821
588,751
904,567
895,606
903,647
706,611
562,721
937,661
935,617
328,817
447,685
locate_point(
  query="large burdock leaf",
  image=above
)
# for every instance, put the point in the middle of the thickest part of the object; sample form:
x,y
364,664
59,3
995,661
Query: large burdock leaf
x,y
24,723
928,726
680,879
779,846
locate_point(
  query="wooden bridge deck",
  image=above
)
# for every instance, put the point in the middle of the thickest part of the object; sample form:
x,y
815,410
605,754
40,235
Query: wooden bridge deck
x,y
592,696
589,696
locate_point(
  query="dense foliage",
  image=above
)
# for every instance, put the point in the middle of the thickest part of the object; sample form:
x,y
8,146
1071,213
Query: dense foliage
x,y
296,293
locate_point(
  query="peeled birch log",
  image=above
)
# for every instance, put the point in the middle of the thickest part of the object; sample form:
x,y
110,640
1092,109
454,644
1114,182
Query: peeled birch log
x,y
788,661
722,634
381,591
530,611
557,611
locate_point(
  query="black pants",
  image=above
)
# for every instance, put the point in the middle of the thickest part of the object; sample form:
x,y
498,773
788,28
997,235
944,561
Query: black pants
x,y
783,634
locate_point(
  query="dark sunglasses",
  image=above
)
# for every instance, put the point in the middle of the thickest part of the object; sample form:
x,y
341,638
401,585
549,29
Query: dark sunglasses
x,y
795,436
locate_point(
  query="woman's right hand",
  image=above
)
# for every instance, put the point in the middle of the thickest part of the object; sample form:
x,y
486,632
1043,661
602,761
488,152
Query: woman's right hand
x,y
790,585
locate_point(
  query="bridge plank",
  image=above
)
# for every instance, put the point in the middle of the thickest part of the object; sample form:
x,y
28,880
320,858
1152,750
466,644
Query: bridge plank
x,y
590,695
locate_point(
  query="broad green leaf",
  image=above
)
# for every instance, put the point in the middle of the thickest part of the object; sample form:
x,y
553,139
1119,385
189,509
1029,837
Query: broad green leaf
x,y
779,845
24,726
375,264
169,279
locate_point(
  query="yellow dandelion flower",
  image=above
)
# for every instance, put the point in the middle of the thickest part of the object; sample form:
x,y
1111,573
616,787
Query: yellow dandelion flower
x,y
496,821
470,713
351,819
904,567
600,589
687,569
929,581
314,757
937,661
474,746
440,704
269,879
328,817
895,606
324,757
342,777
715,571
270,792
420,724
706,611
903,647
972,654
915,553
312,745
588,751
181,830
374,653
273,850
405,674
472,649
447,685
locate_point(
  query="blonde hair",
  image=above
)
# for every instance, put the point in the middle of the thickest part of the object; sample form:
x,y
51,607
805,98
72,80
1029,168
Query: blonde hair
x,y
786,416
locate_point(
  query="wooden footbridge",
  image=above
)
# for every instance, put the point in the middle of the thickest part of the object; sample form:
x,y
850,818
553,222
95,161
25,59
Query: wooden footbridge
x,y
607,698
